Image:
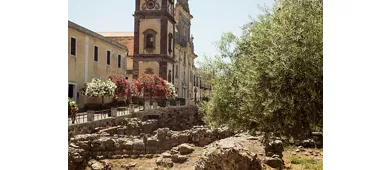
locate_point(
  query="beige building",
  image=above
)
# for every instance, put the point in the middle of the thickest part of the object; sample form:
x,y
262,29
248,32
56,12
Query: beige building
x,y
161,45
127,39
90,55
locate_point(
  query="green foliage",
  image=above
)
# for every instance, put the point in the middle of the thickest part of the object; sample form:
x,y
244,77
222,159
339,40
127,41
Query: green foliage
x,y
271,78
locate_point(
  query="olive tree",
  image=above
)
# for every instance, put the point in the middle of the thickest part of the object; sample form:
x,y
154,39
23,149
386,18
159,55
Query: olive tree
x,y
270,78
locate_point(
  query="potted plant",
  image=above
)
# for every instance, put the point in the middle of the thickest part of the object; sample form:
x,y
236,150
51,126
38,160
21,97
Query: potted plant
x,y
99,88
72,109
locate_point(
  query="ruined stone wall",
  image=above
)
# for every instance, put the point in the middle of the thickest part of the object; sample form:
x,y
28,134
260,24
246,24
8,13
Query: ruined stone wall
x,y
174,118
103,145
147,132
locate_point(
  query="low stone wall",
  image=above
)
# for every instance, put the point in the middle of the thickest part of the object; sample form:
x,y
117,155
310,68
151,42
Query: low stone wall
x,y
104,145
175,118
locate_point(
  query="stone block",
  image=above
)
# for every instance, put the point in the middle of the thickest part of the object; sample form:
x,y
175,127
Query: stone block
x,y
152,142
149,126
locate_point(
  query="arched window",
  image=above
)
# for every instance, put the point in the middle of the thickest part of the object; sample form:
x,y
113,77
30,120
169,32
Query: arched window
x,y
149,40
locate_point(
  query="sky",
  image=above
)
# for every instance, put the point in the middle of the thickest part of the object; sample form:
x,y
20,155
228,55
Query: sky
x,y
211,18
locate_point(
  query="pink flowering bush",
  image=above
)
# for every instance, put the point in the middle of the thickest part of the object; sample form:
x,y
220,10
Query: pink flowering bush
x,y
151,86
122,85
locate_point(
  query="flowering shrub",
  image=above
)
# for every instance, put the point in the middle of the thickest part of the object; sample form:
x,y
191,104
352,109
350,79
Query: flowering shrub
x,y
132,89
123,87
99,88
171,88
151,86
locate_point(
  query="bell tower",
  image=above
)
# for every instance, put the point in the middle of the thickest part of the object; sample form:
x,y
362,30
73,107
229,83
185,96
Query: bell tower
x,y
154,38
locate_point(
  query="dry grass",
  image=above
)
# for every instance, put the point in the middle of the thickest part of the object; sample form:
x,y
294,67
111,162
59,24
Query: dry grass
x,y
300,161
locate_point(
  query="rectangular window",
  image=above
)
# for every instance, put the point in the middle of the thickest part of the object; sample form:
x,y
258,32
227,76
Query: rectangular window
x,y
96,53
73,46
108,57
119,61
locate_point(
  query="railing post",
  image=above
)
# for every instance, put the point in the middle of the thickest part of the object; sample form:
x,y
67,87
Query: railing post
x,y
178,103
113,112
146,105
131,108
168,103
90,116
154,105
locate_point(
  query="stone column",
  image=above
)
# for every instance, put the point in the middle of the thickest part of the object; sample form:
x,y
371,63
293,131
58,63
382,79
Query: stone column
x,y
90,116
113,112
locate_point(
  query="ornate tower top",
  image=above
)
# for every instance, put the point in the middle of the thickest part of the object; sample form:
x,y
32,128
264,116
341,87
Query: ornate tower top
x,y
185,4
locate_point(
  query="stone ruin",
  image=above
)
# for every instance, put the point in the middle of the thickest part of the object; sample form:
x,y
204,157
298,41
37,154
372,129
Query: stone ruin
x,y
174,118
105,146
133,137
228,154
130,137
175,155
